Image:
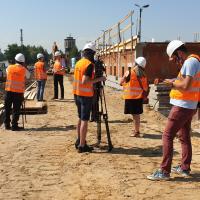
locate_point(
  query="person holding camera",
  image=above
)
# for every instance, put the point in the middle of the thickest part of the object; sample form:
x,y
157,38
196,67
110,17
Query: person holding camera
x,y
134,83
83,93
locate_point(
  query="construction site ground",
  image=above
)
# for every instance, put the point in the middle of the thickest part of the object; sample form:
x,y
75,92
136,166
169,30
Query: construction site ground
x,y
41,163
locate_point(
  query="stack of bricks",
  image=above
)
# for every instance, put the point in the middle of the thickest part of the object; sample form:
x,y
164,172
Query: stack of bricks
x,y
159,98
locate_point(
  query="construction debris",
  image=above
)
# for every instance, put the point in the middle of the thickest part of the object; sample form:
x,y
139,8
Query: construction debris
x,y
34,107
159,98
30,92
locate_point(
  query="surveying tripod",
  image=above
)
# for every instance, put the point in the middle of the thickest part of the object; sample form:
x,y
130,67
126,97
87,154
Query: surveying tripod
x,y
101,111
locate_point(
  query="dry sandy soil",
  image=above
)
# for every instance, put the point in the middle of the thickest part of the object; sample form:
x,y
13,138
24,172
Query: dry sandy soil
x,y
41,162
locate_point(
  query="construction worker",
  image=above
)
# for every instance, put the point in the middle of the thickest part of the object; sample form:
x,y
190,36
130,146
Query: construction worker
x,y
134,84
59,72
15,86
83,93
40,76
184,98
54,49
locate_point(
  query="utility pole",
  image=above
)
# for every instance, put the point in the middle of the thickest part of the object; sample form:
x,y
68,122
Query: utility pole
x,y
140,19
21,37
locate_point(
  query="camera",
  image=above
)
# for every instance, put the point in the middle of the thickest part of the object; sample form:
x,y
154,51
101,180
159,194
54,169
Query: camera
x,y
99,68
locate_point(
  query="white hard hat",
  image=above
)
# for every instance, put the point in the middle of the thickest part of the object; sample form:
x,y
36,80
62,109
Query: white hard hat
x,y
20,58
90,45
57,53
141,61
40,55
172,46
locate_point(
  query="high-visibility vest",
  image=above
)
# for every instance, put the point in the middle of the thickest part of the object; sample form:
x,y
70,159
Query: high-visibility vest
x,y
79,88
15,81
57,66
132,89
40,73
192,93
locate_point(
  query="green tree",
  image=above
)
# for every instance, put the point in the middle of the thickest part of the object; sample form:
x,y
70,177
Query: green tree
x,y
2,56
30,53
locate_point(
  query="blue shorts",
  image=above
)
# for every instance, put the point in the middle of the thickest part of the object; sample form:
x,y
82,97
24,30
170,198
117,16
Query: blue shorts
x,y
84,106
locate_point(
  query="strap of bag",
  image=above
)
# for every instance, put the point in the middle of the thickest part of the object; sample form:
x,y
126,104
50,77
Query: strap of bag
x,y
140,83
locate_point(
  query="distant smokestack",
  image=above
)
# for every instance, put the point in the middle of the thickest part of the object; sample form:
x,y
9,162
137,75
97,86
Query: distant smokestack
x,y
21,36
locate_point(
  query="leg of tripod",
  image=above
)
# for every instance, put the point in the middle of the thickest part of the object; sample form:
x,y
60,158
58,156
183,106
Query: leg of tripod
x,y
98,118
22,112
105,117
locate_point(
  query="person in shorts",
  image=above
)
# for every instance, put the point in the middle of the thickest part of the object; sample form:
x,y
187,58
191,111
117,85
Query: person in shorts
x,y
83,93
134,82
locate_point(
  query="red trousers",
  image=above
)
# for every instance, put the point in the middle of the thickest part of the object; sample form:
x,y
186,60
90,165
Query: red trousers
x,y
179,120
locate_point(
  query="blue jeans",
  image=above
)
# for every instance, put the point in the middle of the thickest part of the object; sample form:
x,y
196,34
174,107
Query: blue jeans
x,y
40,89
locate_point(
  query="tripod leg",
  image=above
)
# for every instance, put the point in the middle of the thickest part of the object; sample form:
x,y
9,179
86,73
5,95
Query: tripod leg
x,y
99,113
22,111
25,112
110,146
99,129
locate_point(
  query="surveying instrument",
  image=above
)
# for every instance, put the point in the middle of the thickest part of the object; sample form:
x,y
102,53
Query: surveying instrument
x,y
100,108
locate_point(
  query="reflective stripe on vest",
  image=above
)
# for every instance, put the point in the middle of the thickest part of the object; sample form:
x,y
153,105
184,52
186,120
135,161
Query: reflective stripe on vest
x,y
40,73
79,88
57,67
132,89
15,81
192,93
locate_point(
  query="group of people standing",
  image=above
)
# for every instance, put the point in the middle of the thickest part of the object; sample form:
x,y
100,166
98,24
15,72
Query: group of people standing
x,y
16,82
184,96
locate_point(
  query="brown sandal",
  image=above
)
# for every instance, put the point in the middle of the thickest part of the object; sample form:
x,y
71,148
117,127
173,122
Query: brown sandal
x,y
135,134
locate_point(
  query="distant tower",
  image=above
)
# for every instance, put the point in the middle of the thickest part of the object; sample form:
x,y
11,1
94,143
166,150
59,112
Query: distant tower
x,y
21,36
69,43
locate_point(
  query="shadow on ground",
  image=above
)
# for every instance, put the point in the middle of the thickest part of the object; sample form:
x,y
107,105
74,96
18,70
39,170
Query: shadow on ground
x,y
143,152
194,177
152,136
195,134
52,128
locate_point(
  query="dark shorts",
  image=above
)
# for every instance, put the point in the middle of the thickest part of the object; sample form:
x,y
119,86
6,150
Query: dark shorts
x,y
198,105
133,106
84,106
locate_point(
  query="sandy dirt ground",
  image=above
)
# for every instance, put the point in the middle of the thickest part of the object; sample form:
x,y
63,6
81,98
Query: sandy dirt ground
x,y
41,162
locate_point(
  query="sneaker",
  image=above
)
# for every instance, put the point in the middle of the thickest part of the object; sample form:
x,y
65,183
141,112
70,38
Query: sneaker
x,y
158,175
178,170
17,128
86,148
76,144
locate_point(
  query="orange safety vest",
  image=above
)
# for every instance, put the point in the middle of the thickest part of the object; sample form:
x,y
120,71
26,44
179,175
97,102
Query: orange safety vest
x,y
15,80
79,88
132,89
192,94
40,73
57,66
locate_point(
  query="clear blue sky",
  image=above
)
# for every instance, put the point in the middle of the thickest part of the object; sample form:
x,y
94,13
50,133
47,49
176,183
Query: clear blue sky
x,y
46,21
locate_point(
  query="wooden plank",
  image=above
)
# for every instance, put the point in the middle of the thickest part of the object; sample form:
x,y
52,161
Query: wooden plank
x,y
26,94
35,104
32,85
32,95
